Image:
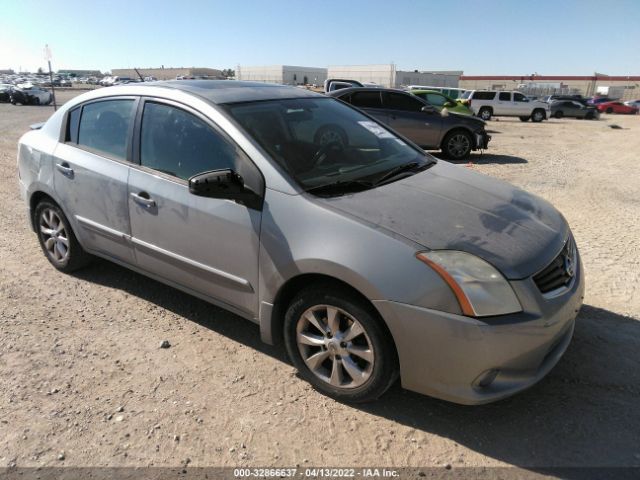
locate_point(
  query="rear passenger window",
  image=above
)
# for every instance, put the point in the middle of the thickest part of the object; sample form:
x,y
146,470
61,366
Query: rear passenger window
x,y
366,99
104,126
484,95
505,96
178,143
72,125
400,101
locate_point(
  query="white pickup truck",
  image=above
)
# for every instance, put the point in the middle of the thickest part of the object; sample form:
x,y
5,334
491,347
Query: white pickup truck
x,y
487,103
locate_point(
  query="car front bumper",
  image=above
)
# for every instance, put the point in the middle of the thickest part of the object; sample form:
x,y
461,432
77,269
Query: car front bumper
x,y
482,140
473,361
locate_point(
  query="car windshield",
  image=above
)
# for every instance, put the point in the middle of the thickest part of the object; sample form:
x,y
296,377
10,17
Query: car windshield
x,y
323,142
465,95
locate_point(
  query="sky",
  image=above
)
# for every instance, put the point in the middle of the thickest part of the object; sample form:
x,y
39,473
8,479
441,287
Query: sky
x,y
479,37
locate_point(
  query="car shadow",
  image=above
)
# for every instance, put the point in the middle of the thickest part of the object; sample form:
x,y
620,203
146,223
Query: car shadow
x,y
586,412
485,158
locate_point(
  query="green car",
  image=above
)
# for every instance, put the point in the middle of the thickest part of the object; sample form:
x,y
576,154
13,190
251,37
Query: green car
x,y
441,101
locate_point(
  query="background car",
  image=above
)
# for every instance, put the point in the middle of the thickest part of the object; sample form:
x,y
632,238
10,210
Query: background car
x,y
27,94
633,103
456,135
573,108
598,100
616,107
577,98
5,92
487,103
440,101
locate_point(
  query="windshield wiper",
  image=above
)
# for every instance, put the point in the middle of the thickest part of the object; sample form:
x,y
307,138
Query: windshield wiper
x,y
342,186
406,167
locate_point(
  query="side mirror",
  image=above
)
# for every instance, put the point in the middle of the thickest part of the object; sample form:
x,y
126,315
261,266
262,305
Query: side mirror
x,y
428,109
225,184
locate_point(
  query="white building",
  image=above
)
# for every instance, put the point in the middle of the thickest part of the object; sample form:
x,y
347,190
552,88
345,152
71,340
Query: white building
x,y
388,76
283,74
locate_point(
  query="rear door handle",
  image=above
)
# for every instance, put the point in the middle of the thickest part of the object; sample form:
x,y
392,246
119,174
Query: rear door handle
x,y
65,169
143,199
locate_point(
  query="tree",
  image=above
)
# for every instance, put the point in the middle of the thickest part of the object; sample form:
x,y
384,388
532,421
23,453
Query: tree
x,y
228,72
40,71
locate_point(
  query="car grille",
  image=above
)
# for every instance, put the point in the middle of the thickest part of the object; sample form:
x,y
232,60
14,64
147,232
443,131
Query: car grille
x,y
560,272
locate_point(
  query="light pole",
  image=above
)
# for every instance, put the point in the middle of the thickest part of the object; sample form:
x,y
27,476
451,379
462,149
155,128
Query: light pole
x,y
47,57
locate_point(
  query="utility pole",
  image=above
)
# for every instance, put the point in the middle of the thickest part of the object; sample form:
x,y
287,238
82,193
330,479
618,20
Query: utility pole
x,y
47,56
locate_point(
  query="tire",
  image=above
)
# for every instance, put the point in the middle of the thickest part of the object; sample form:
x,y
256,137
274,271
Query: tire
x,y
330,133
457,144
609,110
57,240
36,101
589,116
538,115
323,360
524,119
559,114
485,113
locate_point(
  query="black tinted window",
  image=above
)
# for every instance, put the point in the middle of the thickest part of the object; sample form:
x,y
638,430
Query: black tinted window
x,y
484,95
180,144
505,96
518,97
400,101
104,126
366,99
72,125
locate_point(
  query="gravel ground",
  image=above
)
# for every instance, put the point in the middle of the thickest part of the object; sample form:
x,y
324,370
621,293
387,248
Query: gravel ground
x,y
84,382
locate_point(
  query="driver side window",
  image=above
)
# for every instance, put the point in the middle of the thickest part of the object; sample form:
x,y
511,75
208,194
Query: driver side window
x,y
178,143
518,97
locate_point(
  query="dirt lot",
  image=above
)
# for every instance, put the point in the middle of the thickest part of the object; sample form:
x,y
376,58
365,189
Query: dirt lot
x,y
81,371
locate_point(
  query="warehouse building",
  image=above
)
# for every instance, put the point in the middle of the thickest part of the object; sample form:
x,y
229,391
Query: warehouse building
x,y
168,73
622,87
283,74
387,75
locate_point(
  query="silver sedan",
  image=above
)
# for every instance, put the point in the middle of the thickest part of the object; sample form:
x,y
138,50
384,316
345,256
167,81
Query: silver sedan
x,y
370,259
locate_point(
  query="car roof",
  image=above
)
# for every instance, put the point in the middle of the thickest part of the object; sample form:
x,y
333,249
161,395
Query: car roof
x,y
233,91
427,91
342,91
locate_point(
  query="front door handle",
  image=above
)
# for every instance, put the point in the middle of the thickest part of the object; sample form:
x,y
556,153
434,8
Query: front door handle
x,y
143,199
65,169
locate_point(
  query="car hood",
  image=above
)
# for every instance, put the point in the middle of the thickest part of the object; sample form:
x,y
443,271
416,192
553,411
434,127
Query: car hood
x,y
451,207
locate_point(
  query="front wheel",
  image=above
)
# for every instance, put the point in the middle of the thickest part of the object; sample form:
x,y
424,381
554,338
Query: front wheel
x,y
57,240
339,345
537,116
609,110
559,114
457,145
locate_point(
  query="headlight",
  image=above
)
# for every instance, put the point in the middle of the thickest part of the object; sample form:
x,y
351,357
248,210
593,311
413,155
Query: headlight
x,y
480,289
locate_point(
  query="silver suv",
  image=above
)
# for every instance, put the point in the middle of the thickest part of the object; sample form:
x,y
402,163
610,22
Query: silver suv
x,y
368,257
488,103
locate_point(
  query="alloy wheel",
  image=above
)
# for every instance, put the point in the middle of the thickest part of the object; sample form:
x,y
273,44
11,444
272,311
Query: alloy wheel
x,y
458,145
54,235
335,346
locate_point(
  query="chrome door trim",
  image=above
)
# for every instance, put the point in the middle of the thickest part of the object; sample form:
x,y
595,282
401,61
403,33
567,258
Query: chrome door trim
x,y
103,230
165,255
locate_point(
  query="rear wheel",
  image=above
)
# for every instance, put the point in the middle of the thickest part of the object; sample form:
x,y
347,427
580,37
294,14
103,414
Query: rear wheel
x,y
338,344
524,119
457,145
57,240
538,115
485,113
